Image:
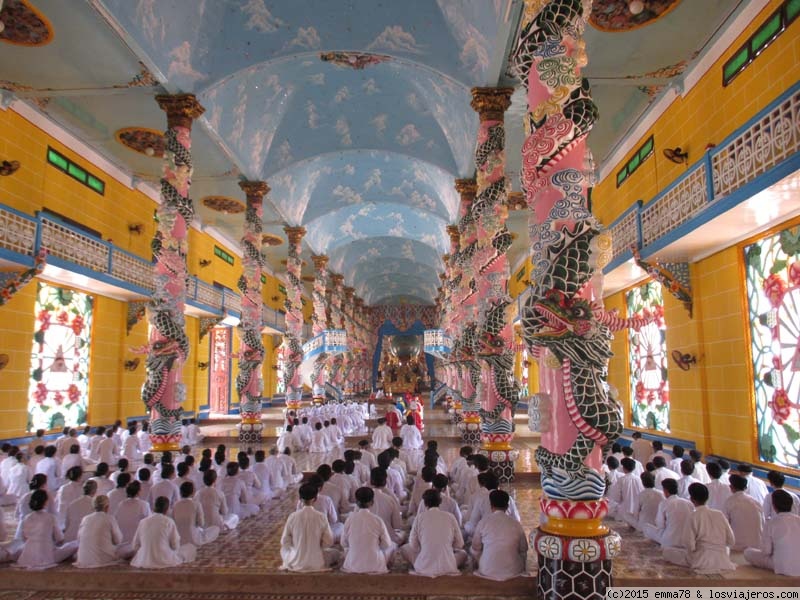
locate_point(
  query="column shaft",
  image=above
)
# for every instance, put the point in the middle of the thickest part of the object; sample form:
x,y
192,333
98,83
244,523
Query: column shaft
x,y
320,323
293,346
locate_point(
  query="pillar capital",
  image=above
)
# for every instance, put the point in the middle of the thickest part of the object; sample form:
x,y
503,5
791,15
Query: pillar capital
x,y
467,188
254,189
295,234
337,279
348,294
181,109
491,102
320,261
455,235
359,303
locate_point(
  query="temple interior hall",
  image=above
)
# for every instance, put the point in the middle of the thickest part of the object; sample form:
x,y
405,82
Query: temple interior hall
x,y
532,227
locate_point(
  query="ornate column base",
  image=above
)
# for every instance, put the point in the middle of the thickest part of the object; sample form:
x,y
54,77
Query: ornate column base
x,y
470,429
501,462
250,431
575,550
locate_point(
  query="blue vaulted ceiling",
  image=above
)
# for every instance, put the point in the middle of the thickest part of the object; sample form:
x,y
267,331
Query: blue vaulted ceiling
x,y
362,157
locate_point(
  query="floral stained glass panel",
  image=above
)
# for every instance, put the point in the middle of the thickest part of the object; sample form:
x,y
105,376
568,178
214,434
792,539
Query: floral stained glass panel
x,y
772,268
648,359
59,382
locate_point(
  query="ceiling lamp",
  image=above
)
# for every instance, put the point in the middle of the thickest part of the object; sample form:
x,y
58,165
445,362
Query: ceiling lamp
x,y
635,6
676,155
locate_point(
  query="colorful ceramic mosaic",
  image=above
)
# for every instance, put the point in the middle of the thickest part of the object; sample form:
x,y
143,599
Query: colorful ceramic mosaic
x,y
223,204
24,25
616,15
144,141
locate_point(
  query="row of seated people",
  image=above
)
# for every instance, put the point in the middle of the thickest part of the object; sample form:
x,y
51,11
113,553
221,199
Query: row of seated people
x,y
437,519
50,531
697,524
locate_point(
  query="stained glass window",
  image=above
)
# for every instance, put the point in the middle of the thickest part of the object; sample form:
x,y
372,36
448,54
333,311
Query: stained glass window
x,y
59,383
772,268
648,359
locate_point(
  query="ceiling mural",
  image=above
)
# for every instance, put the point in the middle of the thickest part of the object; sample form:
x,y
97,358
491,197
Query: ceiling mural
x,y
357,113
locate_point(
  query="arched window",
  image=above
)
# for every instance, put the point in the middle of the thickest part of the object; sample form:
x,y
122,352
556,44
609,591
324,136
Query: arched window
x,y
59,383
772,274
648,359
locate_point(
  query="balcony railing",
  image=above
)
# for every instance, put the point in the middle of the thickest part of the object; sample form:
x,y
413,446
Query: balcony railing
x,y
72,249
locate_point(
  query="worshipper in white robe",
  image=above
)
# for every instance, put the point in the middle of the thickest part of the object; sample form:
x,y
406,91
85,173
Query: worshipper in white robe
x,y
710,537
94,444
319,440
274,467
85,440
367,455
777,480
335,434
745,515
678,456
382,436
107,449
50,466
100,539
130,448
641,448
157,542
756,488
251,481
7,499
435,545
700,473
326,506
122,467
658,450
423,482
144,476
235,493
469,480
75,459
144,438
78,509
194,435
386,506
72,490
63,443
304,434
214,505
190,520
42,537
307,537
290,473
166,487
623,494
18,476
686,479
347,484
480,505
672,521
662,472
23,508
627,452
366,541
119,493
440,483
288,439
412,438
265,477
104,484
131,511
499,545
780,543
718,491
9,460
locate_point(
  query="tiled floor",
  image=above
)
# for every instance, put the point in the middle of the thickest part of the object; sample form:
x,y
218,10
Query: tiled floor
x,y
253,548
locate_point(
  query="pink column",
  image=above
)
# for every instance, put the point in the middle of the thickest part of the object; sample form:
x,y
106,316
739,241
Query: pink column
x,y
168,347
320,324
249,384
293,344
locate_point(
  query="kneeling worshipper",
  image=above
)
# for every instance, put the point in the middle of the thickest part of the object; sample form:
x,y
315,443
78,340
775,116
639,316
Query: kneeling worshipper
x,y
780,542
745,515
131,512
499,544
435,546
672,521
710,537
78,509
623,494
190,520
412,438
215,507
42,537
365,539
307,538
100,539
157,542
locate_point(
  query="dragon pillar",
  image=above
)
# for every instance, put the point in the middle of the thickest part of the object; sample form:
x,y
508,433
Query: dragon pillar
x,y
249,384
292,341
336,363
498,391
320,324
350,355
168,347
563,321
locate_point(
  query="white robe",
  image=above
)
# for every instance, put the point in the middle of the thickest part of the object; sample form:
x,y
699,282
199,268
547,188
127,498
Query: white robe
x,y
129,514
756,489
769,512
780,546
382,437
166,488
481,507
664,473
500,546
189,519
435,537
305,537
641,450
99,538
746,519
319,441
366,542
158,545
710,540
77,509
448,505
672,523
215,508
41,533
412,439
66,495
683,485
623,496
236,496
718,493
290,472
387,508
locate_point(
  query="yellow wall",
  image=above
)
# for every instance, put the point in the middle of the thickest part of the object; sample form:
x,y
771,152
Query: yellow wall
x,y
113,391
707,114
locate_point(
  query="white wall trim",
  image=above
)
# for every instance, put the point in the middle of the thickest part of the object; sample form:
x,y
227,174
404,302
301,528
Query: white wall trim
x,y
748,11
